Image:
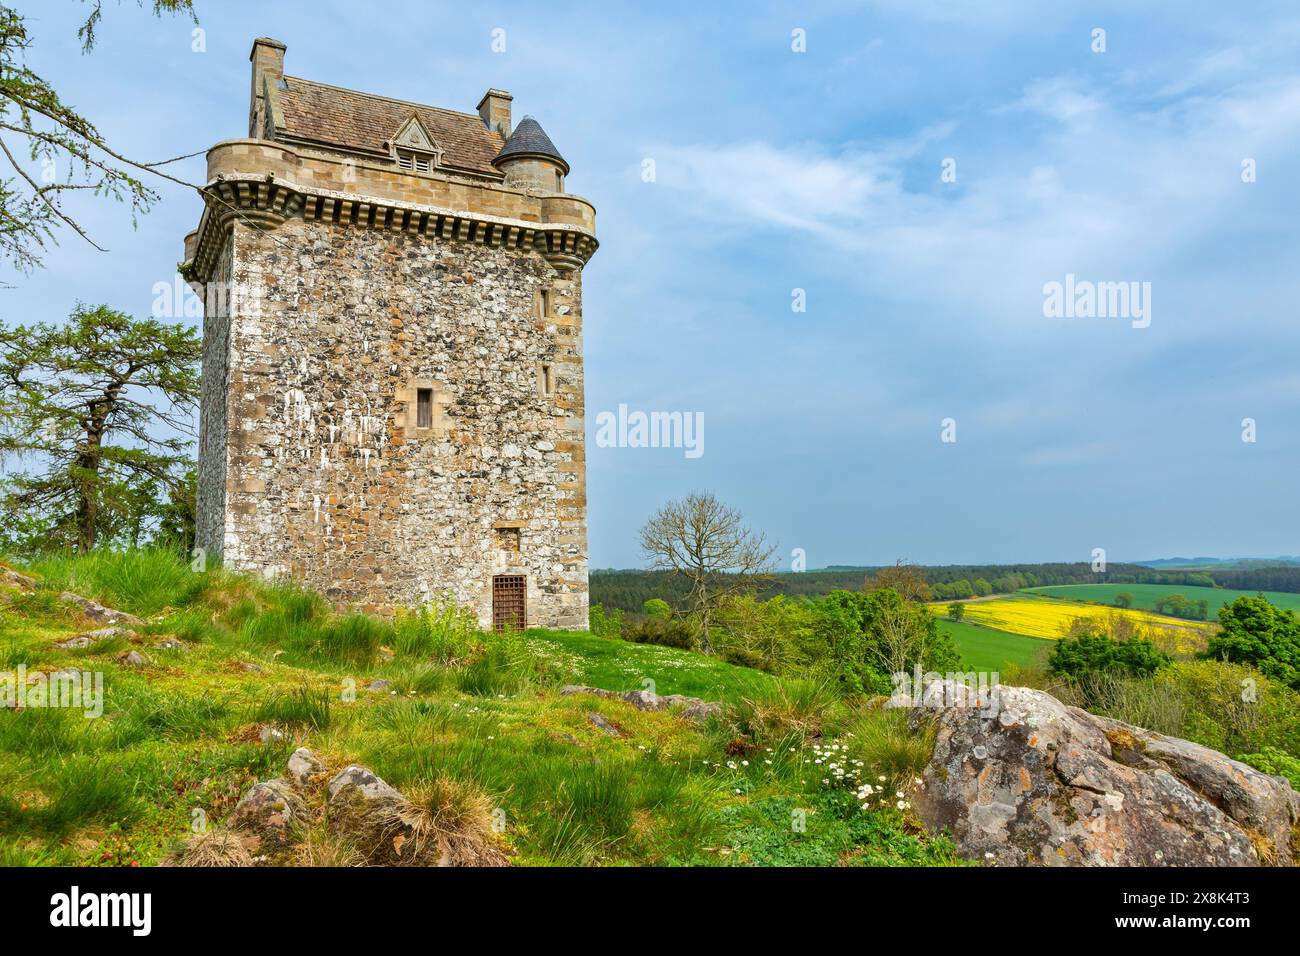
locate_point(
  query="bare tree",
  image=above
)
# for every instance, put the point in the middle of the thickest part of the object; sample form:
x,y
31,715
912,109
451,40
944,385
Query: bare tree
x,y
901,635
706,541
904,577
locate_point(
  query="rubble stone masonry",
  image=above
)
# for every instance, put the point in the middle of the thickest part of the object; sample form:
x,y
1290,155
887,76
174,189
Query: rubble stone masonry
x,y
392,406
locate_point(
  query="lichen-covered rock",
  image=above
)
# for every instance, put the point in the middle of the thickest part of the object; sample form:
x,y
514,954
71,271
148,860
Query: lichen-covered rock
x,y
356,798
267,815
1026,779
97,612
303,767
691,707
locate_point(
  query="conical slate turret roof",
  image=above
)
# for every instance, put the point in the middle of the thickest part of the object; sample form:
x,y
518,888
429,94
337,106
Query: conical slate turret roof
x,y
531,140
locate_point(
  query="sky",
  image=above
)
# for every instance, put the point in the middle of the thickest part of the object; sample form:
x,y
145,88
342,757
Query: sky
x,y
916,174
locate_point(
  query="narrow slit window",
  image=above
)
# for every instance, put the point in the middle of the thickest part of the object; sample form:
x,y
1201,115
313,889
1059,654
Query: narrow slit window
x,y
508,539
559,181
544,302
424,408
546,380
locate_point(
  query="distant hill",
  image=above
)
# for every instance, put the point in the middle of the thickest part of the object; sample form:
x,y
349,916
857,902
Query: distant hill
x,y
1237,563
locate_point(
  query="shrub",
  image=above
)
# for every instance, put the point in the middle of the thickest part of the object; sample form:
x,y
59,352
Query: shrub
x,y
667,632
656,607
1255,632
744,657
602,623
1088,653
1234,708
859,640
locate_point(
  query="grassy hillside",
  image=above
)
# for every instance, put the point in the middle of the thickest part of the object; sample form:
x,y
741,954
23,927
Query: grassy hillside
x,y
986,649
1146,595
237,673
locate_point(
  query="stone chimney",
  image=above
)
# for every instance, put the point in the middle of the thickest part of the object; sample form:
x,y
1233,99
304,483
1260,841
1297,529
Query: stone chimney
x,y
267,58
494,109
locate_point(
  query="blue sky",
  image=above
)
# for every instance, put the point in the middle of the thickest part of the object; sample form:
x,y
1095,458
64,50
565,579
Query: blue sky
x,y
820,171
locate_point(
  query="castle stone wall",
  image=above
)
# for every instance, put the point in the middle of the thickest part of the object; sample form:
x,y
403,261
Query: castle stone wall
x,y
213,405
326,473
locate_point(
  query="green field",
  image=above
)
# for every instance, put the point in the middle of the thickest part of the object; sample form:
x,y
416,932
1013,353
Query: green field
x,y
1146,595
986,649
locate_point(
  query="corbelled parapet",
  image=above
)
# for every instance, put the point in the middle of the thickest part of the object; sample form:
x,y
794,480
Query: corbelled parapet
x,y
264,183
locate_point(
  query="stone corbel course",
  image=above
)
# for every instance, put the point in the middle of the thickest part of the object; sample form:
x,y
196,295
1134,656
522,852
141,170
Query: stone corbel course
x,y
266,200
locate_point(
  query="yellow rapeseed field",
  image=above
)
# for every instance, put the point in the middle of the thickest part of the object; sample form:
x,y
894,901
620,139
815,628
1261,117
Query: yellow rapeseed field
x,y
1040,617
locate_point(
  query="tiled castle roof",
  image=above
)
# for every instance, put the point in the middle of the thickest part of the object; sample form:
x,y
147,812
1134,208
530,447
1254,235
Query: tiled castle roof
x,y
530,138
333,116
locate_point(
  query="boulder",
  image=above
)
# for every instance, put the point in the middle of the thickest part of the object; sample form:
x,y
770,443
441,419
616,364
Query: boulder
x,y
691,707
133,659
357,800
98,612
1023,779
267,815
303,766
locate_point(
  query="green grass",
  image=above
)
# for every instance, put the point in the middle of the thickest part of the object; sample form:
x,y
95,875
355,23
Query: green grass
x,y
612,664
1146,595
182,734
986,649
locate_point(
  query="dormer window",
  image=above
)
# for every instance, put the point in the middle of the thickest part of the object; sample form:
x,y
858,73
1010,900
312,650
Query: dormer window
x,y
419,162
413,148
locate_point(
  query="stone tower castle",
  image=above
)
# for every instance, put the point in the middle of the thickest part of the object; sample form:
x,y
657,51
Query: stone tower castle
x,y
392,402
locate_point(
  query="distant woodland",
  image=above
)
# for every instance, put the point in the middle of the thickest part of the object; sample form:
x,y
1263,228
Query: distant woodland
x,y
628,590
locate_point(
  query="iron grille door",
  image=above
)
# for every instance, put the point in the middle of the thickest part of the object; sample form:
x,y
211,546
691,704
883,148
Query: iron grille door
x,y
509,601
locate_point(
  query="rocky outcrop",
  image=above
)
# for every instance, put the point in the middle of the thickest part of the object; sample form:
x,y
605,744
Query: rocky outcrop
x,y
10,578
1022,779
377,823
97,612
604,726
691,708
86,638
